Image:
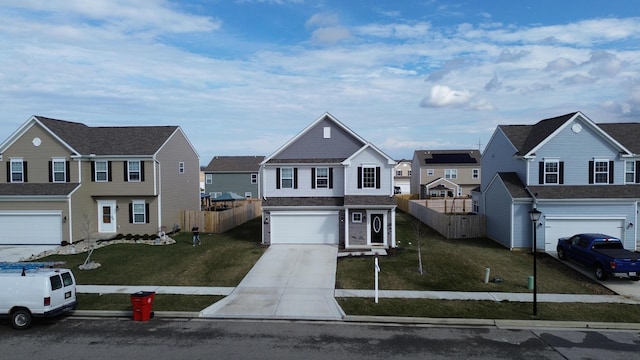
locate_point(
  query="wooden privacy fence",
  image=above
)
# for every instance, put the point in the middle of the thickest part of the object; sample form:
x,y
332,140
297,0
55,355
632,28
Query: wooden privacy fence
x,y
451,226
220,221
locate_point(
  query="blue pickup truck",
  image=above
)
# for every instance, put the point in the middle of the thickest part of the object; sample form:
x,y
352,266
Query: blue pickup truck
x,y
605,253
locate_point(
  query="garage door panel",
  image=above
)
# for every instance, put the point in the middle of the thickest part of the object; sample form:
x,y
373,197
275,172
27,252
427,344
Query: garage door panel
x,y
30,229
304,228
557,228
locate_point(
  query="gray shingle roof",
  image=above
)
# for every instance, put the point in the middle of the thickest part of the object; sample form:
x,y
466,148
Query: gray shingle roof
x,y
234,164
527,137
123,140
37,189
515,187
627,134
627,191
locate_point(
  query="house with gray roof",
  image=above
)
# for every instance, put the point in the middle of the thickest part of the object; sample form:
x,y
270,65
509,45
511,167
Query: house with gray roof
x,y
445,173
66,181
328,185
233,174
583,176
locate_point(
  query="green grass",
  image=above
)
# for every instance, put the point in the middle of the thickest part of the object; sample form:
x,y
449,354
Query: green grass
x,y
161,302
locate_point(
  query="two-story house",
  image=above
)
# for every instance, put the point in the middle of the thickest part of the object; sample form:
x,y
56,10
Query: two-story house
x,y
582,176
233,174
66,181
402,177
328,185
445,173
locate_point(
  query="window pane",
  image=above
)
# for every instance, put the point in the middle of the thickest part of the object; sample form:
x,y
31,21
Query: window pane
x,y
322,178
368,177
138,213
286,178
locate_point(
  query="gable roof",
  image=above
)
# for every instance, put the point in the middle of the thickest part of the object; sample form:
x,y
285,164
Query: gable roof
x,y
441,157
234,164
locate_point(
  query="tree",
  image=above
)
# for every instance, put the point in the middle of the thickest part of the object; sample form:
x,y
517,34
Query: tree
x,y
416,224
91,242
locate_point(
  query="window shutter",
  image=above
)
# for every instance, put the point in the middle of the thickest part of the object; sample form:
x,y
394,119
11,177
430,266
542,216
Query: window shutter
x,y
109,171
130,213
541,172
8,171
142,171
93,171
313,178
561,175
24,170
50,171
637,172
378,177
611,172
359,177
146,213
126,171
67,168
277,178
295,178
590,172
330,178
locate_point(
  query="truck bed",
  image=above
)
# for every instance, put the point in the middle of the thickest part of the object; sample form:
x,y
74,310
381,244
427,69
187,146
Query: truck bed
x,y
620,254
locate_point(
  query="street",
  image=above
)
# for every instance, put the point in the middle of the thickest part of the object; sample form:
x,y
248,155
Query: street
x,y
119,338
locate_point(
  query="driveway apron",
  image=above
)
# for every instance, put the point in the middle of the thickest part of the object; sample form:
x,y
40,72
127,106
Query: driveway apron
x,y
287,282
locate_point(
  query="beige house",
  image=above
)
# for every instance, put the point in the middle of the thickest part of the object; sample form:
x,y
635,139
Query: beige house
x,y
402,177
66,181
445,173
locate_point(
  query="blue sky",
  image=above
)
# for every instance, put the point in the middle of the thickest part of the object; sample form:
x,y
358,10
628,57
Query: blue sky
x,y
243,77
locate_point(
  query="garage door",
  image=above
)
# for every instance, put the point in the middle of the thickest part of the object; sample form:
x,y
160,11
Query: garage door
x,y
304,228
557,228
32,228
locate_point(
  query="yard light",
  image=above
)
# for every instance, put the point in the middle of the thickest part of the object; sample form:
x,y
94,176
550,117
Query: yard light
x,y
535,216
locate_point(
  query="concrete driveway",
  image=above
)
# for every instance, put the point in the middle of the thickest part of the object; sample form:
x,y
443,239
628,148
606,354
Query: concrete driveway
x,y
13,253
287,282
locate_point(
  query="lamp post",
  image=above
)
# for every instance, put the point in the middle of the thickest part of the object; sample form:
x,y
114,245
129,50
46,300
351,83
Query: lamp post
x,y
535,216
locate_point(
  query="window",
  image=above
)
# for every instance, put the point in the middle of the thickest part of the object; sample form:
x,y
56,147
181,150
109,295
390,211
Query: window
x,y
56,282
551,172
475,173
450,173
356,217
101,171
322,178
67,279
326,132
398,172
286,178
430,172
368,177
18,170
601,172
139,212
208,179
133,170
630,172
409,172
58,170
248,194
181,167
254,178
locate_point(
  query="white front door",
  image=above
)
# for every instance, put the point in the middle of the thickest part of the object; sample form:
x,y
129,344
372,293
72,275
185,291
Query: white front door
x,y
107,216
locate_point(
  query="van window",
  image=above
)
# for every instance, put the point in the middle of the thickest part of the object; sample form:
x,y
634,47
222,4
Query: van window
x,y
56,282
67,279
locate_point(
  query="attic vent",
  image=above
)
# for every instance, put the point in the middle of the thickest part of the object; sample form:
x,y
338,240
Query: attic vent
x,y
327,132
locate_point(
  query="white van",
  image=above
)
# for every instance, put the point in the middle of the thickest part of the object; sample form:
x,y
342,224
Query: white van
x,y
32,292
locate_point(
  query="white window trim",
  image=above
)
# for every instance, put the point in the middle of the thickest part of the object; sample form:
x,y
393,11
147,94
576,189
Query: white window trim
x,y
475,173
248,194
21,172
556,173
181,167
53,170
254,178
134,213
633,163
318,177
430,172
595,172
364,183
208,179
356,217
450,173
105,171
283,178
129,171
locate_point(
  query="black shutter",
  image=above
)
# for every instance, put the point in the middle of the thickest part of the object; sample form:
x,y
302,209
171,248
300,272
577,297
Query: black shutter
x,y
637,169
295,178
146,213
130,213
109,171
313,178
330,178
561,175
8,171
141,170
378,174
610,172
126,171
93,171
24,170
359,177
277,178
590,172
541,172
50,171
67,169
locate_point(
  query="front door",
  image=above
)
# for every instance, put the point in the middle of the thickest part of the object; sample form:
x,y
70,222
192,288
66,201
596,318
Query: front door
x,y
107,216
377,228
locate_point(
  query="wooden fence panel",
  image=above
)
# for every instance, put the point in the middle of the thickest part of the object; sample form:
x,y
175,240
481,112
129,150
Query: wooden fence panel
x,y
217,222
451,226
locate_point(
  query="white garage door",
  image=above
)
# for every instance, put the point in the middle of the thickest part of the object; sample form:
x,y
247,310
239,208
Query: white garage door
x,y
304,228
30,228
557,228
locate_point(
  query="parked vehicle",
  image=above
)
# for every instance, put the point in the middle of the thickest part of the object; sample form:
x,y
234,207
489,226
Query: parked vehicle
x,y
605,253
28,291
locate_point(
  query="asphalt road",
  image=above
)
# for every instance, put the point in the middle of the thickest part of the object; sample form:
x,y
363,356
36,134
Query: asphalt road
x,y
117,338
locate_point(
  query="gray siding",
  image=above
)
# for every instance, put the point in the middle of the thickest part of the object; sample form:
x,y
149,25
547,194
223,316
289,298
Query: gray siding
x,y
238,183
522,228
498,157
498,213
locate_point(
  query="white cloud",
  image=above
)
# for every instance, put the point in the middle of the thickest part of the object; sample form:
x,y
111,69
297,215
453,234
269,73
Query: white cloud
x,y
442,96
560,65
330,35
604,64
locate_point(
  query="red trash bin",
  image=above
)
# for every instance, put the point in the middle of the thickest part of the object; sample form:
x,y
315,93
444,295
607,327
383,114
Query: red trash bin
x,y
142,303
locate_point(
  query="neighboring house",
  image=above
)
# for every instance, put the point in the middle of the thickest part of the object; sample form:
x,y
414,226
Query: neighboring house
x,y
237,174
582,176
328,185
65,181
445,173
402,177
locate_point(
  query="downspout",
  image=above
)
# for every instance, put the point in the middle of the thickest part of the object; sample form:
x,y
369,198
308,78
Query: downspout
x,y
157,182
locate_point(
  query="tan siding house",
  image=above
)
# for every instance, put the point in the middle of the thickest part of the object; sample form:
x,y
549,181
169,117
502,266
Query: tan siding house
x,y
445,173
65,181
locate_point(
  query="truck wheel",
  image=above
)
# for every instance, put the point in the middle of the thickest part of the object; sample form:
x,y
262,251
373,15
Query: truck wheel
x,y
561,254
21,319
600,273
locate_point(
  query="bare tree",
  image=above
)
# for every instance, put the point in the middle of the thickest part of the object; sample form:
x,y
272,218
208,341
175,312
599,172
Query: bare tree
x,y
91,242
417,229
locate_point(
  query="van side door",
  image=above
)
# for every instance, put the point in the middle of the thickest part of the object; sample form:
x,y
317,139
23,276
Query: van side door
x,y
57,293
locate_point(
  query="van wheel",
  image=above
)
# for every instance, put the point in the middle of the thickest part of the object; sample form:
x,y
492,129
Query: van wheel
x,y
21,319
600,273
